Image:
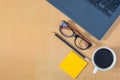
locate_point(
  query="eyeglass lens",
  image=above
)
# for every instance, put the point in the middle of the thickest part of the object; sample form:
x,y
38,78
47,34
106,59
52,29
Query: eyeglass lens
x,y
66,30
80,43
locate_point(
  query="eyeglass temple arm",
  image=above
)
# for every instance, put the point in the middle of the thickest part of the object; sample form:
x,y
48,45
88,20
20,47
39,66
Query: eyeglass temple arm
x,y
76,31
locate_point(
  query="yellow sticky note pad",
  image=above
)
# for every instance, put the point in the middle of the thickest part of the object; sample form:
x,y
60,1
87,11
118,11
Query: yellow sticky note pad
x,y
73,64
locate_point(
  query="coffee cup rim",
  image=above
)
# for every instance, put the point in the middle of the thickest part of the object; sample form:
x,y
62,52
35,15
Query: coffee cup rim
x,y
114,59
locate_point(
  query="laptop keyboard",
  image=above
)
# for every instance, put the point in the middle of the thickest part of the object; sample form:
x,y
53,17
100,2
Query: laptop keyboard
x,y
108,7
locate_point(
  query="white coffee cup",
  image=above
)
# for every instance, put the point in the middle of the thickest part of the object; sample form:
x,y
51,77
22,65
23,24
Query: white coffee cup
x,y
103,58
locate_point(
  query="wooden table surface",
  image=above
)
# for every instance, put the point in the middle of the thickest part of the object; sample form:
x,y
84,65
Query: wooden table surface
x,y
30,51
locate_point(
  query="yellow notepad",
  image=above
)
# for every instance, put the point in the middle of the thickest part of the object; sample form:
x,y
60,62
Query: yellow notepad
x,y
73,64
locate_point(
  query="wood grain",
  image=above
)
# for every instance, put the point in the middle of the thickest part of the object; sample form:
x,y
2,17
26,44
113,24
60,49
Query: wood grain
x,y
29,50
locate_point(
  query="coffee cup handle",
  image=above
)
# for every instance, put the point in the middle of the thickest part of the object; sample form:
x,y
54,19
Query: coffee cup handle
x,y
95,70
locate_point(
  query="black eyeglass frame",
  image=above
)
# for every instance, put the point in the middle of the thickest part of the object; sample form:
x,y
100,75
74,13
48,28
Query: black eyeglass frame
x,y
79,35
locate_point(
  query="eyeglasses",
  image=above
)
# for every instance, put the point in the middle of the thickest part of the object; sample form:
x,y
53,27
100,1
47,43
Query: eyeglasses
x,y
69,30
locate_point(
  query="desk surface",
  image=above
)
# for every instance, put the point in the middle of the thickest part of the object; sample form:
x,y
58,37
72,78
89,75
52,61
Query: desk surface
x,y
29,51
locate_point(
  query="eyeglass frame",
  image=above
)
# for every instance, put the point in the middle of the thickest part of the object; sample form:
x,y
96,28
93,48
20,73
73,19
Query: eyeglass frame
x,y
75,34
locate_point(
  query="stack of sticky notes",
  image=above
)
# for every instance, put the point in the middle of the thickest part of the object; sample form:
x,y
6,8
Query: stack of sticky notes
x,y
73,64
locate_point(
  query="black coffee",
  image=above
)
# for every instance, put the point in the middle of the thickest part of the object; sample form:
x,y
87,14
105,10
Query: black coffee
x,y
103,58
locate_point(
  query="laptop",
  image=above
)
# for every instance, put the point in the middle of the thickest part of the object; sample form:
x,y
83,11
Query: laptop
x,y
95,16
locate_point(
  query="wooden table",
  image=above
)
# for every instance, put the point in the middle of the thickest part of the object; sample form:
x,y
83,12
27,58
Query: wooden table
x,y
30,51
